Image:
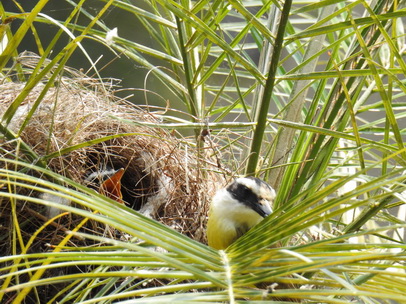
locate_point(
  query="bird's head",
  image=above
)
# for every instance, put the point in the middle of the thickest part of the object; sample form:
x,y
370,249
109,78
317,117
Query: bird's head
x,y
237,208
252,193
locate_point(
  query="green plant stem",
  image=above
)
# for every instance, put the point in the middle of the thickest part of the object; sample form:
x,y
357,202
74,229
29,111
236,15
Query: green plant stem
x,y
261,117
21,32
190,100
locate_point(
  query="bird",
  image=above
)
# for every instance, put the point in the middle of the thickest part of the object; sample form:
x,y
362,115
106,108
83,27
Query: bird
x,y
111,187
236,208
109,181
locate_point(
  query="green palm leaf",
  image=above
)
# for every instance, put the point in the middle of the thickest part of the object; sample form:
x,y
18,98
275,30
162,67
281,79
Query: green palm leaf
x,y
330,139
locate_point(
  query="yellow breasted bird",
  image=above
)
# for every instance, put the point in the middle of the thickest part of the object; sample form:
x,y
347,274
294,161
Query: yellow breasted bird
x,y
236,209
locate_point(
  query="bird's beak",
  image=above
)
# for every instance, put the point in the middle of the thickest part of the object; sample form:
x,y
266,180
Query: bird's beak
x,y
263,208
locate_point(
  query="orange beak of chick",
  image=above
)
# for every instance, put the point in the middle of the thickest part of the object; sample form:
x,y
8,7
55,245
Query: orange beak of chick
x,y
111,187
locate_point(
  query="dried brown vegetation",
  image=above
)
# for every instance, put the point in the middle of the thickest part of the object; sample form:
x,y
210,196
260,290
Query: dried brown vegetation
x,y
79,128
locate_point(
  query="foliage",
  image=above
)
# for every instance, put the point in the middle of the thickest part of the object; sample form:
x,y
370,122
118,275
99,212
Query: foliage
x,y
331,83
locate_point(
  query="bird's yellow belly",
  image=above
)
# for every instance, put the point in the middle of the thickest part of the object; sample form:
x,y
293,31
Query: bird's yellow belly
x,y
221,234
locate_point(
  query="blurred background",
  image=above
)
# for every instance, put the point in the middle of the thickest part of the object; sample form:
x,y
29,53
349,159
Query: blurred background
x,y
135,82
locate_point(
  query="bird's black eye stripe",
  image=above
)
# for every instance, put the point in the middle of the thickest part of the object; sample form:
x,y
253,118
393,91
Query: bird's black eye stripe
x,y
243,194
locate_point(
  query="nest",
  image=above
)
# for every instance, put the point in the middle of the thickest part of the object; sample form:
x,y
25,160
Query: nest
x,y
161,177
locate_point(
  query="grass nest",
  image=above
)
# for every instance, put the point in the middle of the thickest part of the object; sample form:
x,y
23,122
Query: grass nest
x,y
80,128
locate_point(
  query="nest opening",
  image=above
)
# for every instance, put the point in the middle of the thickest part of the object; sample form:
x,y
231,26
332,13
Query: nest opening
x,y
136,184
